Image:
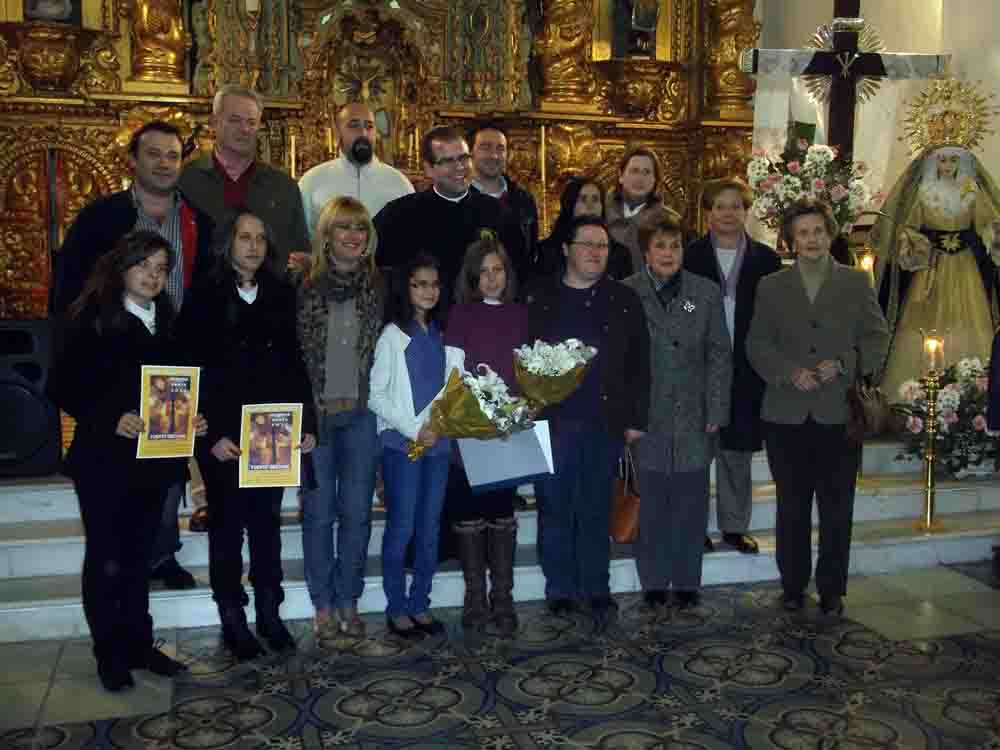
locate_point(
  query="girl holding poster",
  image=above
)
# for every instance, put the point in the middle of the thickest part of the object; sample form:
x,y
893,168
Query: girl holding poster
x,y
412,365
120,322
240,324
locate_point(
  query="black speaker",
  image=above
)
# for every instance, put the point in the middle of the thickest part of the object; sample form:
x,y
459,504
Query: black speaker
x,y
29,422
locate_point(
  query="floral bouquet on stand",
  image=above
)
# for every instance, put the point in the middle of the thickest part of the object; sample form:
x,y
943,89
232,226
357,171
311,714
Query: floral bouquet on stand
x,y
475,406
963,442
808,171
549,373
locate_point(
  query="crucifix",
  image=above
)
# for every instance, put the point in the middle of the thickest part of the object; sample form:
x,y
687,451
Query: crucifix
x,y
845,64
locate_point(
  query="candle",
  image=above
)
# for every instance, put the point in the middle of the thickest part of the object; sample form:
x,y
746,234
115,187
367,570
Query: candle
x,y
541,163
292,155
933,351
252,6
867,263
329,141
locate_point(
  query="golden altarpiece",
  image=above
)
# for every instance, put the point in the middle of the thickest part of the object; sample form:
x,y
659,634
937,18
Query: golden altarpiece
x,y
77,75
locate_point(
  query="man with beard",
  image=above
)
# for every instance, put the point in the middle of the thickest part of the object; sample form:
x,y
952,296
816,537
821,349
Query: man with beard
x,y
152,203
357,172
232,176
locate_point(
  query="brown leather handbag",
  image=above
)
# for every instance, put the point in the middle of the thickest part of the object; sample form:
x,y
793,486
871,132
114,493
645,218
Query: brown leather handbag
x,y
624,526
869,413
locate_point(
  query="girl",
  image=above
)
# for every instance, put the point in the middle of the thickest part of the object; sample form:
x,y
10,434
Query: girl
x,y
411,367
240,323
120,322
487,325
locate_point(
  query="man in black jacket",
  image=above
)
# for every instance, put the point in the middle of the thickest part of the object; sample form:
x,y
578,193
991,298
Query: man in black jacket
x,y
728,256
591,427
153,203
489,176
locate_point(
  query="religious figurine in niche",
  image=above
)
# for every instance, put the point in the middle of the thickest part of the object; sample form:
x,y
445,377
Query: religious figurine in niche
x,y
203,78
63,11
159,42
938,247
634,28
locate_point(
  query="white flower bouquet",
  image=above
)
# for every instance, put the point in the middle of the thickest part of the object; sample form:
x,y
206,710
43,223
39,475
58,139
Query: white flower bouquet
x,y
549,373
963,440
475,406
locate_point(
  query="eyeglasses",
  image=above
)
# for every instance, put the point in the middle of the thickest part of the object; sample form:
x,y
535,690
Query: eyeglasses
x,y
449,162
347,227
592,245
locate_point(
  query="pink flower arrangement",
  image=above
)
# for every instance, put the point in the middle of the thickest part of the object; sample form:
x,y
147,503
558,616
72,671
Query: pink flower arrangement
x,y
838,193
819,185
979,423
794,167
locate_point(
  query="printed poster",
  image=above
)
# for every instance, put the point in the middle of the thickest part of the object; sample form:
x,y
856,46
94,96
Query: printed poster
x,y
270,445
168,405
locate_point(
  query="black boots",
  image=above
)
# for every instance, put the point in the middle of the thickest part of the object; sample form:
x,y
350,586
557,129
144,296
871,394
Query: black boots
x,y
470,540
269,624
236,634
502,543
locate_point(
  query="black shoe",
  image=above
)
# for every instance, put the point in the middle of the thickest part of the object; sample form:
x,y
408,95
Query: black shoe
x,y
114,675
173,575
743,542
159,663
432,627
561,606
413,631
655,597
276,634
687,599
237,636
831,605
604,606
793,602
709,546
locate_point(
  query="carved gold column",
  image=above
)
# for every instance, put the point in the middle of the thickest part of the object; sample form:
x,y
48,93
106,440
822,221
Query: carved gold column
x,y
159,41
563,51
731,28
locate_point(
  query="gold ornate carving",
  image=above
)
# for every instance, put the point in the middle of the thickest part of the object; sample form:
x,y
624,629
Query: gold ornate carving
x,y
49,56
99,68
10,81
159,42
647,90
563,50
869,40
948,112
731,28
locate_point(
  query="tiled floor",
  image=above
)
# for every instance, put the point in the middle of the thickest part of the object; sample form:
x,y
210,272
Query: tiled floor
x,y
916,664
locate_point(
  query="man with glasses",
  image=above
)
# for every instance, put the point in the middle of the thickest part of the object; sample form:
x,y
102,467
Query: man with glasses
x,y
590,428
446,217
357,172
489,170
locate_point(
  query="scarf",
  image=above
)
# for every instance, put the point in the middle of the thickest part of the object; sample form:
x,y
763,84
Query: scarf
x,y
338,286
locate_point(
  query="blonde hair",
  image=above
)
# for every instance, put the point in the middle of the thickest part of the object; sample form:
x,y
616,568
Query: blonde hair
x,y
341,208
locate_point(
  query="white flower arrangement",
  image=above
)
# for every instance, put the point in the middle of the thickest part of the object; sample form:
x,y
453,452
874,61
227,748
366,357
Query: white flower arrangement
x,y
554,359
506,412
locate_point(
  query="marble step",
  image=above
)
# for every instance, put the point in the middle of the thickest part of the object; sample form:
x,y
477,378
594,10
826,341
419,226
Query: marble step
x,y
44,548
53,499
49,606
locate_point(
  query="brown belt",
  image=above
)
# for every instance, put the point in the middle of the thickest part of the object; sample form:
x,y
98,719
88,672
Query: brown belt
x,y
338,405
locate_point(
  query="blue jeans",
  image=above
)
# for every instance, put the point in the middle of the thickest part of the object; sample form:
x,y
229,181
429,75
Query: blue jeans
x,y
574,511
414,496
344,462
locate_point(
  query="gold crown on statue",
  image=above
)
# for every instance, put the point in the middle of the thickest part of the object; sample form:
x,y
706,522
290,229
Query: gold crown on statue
x,y
948,112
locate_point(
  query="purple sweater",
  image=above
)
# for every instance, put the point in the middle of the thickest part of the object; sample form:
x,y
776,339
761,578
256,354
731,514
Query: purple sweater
x,y
489,334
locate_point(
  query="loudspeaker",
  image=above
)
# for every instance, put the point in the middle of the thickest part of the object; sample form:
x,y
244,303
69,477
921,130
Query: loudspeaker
x,y
29,422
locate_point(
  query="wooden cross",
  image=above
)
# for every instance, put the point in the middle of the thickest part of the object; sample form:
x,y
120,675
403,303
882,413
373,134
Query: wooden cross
x,y
845,64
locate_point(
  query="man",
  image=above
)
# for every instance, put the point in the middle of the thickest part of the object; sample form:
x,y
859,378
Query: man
x,y
357,172
728,256
590,428
231,176
635,201
489,176
153,203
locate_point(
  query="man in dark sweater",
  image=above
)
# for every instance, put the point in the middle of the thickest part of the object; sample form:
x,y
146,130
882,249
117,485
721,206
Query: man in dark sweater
x,y
152,203
446,217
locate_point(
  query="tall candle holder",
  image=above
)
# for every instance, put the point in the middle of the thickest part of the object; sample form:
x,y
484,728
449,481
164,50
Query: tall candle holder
x,y
934,365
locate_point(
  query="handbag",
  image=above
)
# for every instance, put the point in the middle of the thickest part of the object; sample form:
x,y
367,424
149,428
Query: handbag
x,y
624,526
869,413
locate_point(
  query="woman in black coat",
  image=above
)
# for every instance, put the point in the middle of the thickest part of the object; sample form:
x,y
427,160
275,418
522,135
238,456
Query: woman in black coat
x,y
120,322
240,324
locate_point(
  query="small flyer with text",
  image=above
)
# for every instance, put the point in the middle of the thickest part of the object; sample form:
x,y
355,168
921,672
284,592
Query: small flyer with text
x,y
270,445
168,405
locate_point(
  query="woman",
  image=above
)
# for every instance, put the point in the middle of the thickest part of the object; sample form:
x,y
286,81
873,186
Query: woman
x,y
487,325
943,227
580,197
120,322
691,367
340,304
816,326
240,323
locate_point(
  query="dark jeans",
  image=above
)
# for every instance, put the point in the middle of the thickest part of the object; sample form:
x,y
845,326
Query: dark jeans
x,y
813,459
231,510
120,525
167,541
574,507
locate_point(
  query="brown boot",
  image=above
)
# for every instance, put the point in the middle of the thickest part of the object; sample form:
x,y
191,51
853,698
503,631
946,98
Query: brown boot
x,y
503,542
470,539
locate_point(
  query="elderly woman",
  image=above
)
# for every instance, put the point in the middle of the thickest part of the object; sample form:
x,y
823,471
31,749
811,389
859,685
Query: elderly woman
x,y
816,325
340,305
691,367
